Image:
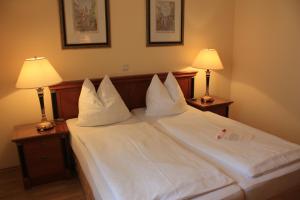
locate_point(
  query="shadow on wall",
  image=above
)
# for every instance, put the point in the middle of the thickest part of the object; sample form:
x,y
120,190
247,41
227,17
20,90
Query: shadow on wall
x,y
10,159
278,92
266,108
7,89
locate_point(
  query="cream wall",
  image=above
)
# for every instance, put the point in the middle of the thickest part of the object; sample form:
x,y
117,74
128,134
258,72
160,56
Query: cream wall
x,y
31,27
266,73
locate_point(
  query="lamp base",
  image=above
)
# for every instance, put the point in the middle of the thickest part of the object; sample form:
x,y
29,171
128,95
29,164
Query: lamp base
x,y
45,125
207,99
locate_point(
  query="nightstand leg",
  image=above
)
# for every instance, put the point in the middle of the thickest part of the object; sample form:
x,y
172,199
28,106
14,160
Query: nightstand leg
x,y
26,180
67,156
227,112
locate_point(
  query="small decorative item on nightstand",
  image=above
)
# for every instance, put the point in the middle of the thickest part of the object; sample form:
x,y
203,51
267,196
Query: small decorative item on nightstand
x,y
38,73
43,157
208,59
218,106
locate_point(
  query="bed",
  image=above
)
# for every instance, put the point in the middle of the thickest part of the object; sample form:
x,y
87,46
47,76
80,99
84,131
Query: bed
x,y
99,189
265,186
133,90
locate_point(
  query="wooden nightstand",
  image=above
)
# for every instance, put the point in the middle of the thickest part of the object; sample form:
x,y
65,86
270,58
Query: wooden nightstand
x,y
45,156
218,106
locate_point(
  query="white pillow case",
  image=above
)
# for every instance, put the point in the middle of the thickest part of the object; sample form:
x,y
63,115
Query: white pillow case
x,y
165,99
102,107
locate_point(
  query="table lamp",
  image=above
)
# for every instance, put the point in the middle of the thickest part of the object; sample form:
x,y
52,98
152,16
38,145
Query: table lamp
x,y
208,59
38,73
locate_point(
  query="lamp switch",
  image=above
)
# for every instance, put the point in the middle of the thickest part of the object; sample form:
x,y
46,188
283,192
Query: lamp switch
x,y
125,68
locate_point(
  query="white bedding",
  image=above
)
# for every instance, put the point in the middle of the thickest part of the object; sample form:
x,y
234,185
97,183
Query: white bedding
x,y
94,176
246,149
139,166
99,187
261,187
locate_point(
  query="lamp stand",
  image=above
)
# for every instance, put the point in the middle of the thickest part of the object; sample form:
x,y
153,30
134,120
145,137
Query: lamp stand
x,y
44,124
206,98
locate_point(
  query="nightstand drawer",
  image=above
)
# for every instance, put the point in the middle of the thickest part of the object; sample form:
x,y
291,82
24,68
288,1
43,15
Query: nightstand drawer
x,y
221,110
44,158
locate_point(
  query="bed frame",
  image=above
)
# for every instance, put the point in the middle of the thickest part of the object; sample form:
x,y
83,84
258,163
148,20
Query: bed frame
x,y
132,89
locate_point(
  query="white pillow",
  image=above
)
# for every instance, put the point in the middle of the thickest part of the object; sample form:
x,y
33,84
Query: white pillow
x,y
166,99
174,90
102,107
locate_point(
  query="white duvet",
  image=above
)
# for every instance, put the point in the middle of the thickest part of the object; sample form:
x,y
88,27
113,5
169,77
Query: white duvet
x,y
138,162
245,149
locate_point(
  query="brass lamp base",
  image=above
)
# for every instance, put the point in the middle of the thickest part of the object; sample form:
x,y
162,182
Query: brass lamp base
x,y
45,125
207,99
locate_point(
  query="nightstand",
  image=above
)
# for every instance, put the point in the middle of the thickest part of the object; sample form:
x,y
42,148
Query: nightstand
x,y
218,106
44,156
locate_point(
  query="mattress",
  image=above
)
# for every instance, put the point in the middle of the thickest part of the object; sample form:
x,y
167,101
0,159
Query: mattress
x,y
261,187
99,186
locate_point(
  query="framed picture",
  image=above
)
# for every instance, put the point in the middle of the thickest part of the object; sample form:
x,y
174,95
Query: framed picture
x,y
85,23
165,22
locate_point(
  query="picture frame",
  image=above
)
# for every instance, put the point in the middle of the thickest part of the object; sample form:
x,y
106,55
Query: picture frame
x,y
84,23
165,22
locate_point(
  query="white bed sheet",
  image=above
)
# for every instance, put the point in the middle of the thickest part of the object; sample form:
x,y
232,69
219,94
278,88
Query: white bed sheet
x,y
100,188
95,179
261,187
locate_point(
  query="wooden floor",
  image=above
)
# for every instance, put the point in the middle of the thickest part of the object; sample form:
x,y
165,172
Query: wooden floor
x,y
11,188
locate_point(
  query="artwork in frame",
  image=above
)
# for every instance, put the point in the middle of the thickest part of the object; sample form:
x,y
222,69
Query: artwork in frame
x,y
85,23
165,22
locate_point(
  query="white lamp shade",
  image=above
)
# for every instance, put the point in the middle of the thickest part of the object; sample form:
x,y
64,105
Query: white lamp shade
x,y
37,72
208,59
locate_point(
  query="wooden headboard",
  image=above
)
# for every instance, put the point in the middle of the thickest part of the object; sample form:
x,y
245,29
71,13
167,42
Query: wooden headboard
x,y
131,88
